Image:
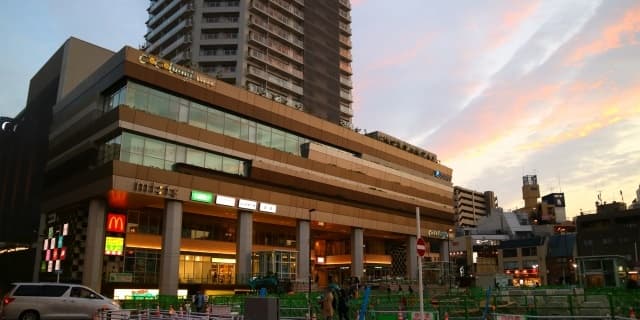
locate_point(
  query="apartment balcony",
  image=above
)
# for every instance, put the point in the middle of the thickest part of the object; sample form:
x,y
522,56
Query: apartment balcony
x,y
177,28
218,41
277,16
173,18
346,96
346,110
156,18
344,14
346,54
300,2
289,8
222,9
273,45
154,6
273,62
277,31
181,57
346,82
345,40
345,3
344,27
275,80
183,39
217,56
221,24
346,67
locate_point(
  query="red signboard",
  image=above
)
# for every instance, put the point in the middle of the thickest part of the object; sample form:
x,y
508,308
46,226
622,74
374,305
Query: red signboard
x,y
63,253
421,246
55,254
116,223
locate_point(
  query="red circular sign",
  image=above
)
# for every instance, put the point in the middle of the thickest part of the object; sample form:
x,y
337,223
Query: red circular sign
x,y
421,247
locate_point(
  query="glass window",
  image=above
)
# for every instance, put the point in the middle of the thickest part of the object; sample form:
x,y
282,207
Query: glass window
x,y
291,144
248,130
230,165
154,148
195,157
508,253
54,290
198,116
213,162
232,125
181,154
215,121
183,114
159,104
263,135
277,139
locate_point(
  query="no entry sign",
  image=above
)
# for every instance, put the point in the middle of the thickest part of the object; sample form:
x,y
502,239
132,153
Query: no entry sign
x,y
421,247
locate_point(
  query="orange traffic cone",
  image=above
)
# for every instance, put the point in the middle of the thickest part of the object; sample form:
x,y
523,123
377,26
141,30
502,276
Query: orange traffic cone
x,y
632,313
400,315
446,316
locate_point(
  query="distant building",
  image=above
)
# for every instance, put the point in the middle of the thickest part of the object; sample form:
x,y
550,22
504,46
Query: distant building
x,y
612,231
524,260
472,205
552,208
636,202
530,193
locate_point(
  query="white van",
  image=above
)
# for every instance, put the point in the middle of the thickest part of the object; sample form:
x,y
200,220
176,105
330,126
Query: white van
x,y
44,301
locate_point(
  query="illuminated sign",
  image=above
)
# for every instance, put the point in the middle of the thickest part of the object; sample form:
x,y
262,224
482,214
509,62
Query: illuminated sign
x,y
57,265
437,234
52,243
54,255
156,189
116,223
225,201
267,207
65,229
47,255
113,246
247,204
50,266
60,240
176,69
46,244
63,253
201,196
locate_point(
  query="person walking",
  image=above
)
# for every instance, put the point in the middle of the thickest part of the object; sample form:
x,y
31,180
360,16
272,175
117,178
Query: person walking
x,y
343,305
327,305
198,301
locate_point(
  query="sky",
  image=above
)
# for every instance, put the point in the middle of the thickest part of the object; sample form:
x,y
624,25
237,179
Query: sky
x,y
497,89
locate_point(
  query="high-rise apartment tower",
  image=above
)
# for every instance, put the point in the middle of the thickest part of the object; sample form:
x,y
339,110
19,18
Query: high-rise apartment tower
x,y
295,52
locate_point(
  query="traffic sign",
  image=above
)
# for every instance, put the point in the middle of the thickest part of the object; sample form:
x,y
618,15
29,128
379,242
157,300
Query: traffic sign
x,y
421,247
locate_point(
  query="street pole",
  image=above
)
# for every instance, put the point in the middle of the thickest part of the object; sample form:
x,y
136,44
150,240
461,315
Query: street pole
x,y
450,257
564,263
420,289
310,265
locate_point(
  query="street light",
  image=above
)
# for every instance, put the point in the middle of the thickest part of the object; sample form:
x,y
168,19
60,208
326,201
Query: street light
x,y
564,255
310,265
450,256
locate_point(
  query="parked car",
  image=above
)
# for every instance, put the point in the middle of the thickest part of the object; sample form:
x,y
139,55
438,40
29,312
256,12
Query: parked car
x,y
44,301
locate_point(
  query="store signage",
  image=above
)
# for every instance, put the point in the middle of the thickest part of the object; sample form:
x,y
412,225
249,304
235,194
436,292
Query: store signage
x,y
57,265
63,253
176,69
113,246
65,229
46,244
437,234
155,189
121,277
267,207
225,201
247,204
47,256
50,266
116,222
201,196
60,241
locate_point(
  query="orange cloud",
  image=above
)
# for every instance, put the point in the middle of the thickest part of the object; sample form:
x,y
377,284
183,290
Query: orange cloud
x,y
594,117
509,22
489,122
622,32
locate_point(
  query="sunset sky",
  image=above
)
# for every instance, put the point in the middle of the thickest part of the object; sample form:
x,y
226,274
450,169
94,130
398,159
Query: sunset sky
x,y
497,89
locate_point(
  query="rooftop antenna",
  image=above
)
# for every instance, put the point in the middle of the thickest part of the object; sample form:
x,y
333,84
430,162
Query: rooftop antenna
x,y
621,196
559,185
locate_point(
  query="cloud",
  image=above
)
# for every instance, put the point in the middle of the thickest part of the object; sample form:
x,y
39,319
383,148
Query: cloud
x,y
621,32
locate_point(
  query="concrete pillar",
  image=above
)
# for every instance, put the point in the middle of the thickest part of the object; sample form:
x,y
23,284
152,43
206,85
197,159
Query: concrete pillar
x,y
412,258
94,246
244,247
303,244
444,253
357,252
170,256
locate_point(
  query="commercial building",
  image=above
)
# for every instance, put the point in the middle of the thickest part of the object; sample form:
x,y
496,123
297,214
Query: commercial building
x,y
472,205
295,52
161,177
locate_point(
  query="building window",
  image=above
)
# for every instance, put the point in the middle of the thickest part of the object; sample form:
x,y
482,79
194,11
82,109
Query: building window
x,y
509,253
529,252
511,265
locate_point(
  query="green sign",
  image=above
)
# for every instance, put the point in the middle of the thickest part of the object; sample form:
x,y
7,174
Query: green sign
x,y
201,196
113,246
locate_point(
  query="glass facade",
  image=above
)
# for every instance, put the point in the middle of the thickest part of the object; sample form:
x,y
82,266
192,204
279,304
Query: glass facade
x,y
144,264
280,263
166,105
206,269
150,152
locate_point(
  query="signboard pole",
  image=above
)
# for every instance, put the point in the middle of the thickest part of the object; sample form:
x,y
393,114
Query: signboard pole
x,y
420,289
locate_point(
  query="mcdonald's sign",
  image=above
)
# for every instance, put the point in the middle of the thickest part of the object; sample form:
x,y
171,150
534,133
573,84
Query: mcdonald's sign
x,y
116,223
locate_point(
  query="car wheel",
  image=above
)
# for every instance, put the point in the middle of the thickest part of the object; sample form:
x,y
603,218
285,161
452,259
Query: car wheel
x,y
30,315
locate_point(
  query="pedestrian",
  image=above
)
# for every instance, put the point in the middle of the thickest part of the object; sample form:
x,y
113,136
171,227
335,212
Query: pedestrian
x,y
198,301
343,306
327,305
